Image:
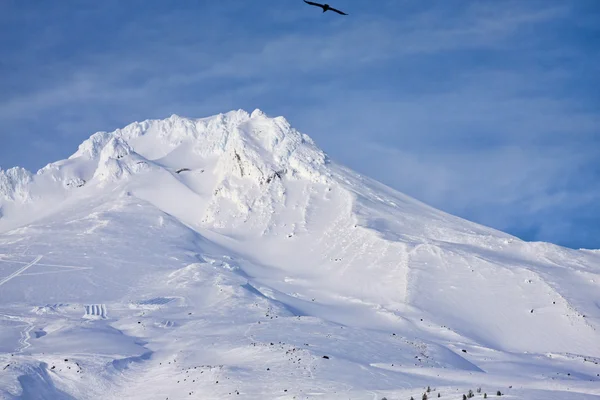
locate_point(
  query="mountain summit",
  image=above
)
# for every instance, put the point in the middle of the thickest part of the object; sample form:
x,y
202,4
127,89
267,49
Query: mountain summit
x,y
203,258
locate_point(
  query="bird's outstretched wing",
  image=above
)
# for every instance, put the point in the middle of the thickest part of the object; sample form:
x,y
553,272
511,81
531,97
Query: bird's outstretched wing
x,y
313,4
337,11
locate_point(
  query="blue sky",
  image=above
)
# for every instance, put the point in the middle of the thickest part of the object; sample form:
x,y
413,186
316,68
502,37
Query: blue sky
x,y
487,109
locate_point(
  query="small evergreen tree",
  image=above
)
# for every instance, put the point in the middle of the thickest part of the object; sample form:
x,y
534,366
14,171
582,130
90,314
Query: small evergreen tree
x,y
498,393
485,395
478,390
428,389
424,396
439,395
464,397
470,395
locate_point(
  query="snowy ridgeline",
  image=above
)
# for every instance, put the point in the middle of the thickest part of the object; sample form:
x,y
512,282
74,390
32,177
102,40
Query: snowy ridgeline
x,y
247,145
227,256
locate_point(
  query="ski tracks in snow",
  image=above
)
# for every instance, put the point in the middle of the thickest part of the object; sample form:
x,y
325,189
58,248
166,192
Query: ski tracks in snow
x,y
20,270
25,334
36,262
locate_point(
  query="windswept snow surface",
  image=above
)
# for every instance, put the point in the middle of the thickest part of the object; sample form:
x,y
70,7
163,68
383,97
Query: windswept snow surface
x,y
229,257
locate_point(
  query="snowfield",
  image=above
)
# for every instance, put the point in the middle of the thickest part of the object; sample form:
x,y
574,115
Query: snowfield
x,y
229,257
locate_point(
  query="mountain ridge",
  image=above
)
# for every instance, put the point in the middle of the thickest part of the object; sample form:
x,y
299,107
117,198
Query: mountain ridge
x,y
234,241
264,152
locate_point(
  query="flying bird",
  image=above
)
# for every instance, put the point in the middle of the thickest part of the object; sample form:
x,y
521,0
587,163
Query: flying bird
x,y
325,7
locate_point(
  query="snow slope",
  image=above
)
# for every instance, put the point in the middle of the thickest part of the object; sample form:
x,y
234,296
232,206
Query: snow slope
x,y
226,256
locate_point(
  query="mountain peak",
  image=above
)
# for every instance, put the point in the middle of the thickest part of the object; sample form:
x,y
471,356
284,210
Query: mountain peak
x,y
257,114
246,146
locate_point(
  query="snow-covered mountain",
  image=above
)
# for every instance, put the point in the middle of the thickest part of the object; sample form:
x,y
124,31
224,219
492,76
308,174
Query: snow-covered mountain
x,y
230,257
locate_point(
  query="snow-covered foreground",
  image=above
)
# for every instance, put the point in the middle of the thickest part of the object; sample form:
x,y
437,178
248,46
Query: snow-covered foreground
x,y
229,257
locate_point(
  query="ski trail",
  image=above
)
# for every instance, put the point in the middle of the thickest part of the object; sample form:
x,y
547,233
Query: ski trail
x,y
25,336
20,271
44,264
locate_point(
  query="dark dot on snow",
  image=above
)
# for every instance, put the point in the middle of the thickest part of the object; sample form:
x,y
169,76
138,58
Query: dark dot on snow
x,y
326,357
464,351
